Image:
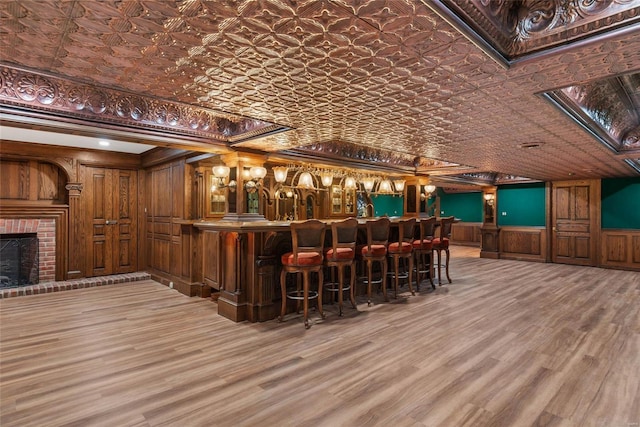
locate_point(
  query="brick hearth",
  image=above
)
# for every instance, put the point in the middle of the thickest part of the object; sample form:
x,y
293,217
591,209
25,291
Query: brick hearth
x,y
89,282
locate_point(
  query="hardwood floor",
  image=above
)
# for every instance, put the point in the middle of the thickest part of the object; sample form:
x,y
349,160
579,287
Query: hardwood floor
x,y
507,343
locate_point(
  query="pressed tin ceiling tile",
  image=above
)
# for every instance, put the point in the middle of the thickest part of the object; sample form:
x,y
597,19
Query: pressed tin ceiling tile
x,y
372,73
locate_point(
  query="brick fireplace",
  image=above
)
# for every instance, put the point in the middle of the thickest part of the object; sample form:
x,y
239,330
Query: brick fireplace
x,y
45,230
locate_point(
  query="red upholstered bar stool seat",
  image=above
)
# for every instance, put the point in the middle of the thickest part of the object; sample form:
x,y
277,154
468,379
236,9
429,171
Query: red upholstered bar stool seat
x,y
441,244
341,254
306,258
375,251
403,249
422,249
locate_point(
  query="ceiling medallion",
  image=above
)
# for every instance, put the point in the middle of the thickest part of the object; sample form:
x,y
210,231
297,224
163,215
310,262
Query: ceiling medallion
x,y
37,92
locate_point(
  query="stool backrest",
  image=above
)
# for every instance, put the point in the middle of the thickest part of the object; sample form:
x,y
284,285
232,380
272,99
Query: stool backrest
x,y
445,226
378,232
427,228
406,229
307,236
344,233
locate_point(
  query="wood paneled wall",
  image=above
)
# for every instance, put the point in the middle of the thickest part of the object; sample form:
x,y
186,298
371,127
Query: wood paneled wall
x,y
174,248
620,249
466,233
523,243
32,180
45,181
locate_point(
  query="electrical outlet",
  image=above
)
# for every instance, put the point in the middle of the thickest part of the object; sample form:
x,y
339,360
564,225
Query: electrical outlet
x,y
171,285
504,214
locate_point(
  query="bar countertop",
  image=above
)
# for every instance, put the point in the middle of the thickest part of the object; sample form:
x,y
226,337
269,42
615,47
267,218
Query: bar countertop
x,y
267,225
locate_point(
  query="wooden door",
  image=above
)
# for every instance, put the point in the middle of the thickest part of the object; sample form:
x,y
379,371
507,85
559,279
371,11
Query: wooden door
x,y
575,222
110,204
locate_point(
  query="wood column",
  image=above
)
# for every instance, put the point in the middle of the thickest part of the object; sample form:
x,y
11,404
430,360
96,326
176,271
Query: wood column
x,y
490,242
75,266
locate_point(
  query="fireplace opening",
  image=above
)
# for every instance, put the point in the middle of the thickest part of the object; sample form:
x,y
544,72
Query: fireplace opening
x,y
18,260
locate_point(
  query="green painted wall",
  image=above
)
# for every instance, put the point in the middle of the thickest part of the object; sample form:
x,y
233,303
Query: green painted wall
x,y
388,205
621,203
521,205
466,206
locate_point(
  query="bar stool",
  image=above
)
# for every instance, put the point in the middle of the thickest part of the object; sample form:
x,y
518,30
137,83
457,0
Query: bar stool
x,y
376,251
441,243
308,244
403,249
423,248
341,254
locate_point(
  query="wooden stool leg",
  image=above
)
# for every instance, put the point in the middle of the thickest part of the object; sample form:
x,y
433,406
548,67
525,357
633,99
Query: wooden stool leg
x,y
447,264
340,287
352,292
369,276
384,279
320,280
439,268
305,298
283,288
431,269
396,266
411,274
298,289
417,262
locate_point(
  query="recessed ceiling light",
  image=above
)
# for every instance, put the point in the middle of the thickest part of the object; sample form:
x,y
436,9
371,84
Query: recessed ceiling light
x,y
531,144
104,143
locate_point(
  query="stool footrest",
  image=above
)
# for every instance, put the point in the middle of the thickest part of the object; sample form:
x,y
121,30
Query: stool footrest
x,y
299,295
335,287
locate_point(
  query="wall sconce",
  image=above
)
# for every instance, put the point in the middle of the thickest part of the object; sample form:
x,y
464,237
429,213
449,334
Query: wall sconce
x,y
326,177
254,178
305,181
398,184
368,182
284,194
221,173
350,183
385,187
490,198
428,190
280,173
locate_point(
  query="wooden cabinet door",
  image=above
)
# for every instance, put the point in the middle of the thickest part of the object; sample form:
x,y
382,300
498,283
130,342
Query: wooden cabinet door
x,y
575,222
110,207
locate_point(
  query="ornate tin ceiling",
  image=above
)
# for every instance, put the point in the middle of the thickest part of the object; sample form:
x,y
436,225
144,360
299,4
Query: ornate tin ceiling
x,y
515,30
397,83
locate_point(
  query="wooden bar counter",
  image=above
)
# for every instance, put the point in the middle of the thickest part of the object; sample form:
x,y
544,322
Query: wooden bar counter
x,y
241,259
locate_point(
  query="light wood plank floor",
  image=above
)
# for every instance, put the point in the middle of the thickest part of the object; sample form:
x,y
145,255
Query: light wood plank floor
x,y
506,344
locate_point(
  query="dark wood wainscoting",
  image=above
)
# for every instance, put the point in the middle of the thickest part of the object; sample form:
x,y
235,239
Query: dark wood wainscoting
x,y
524,243
620,249
466,233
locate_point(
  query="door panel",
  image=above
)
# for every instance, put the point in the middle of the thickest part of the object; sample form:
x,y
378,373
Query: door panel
x,y
575,207
583,250
125,259
98,187
110,204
